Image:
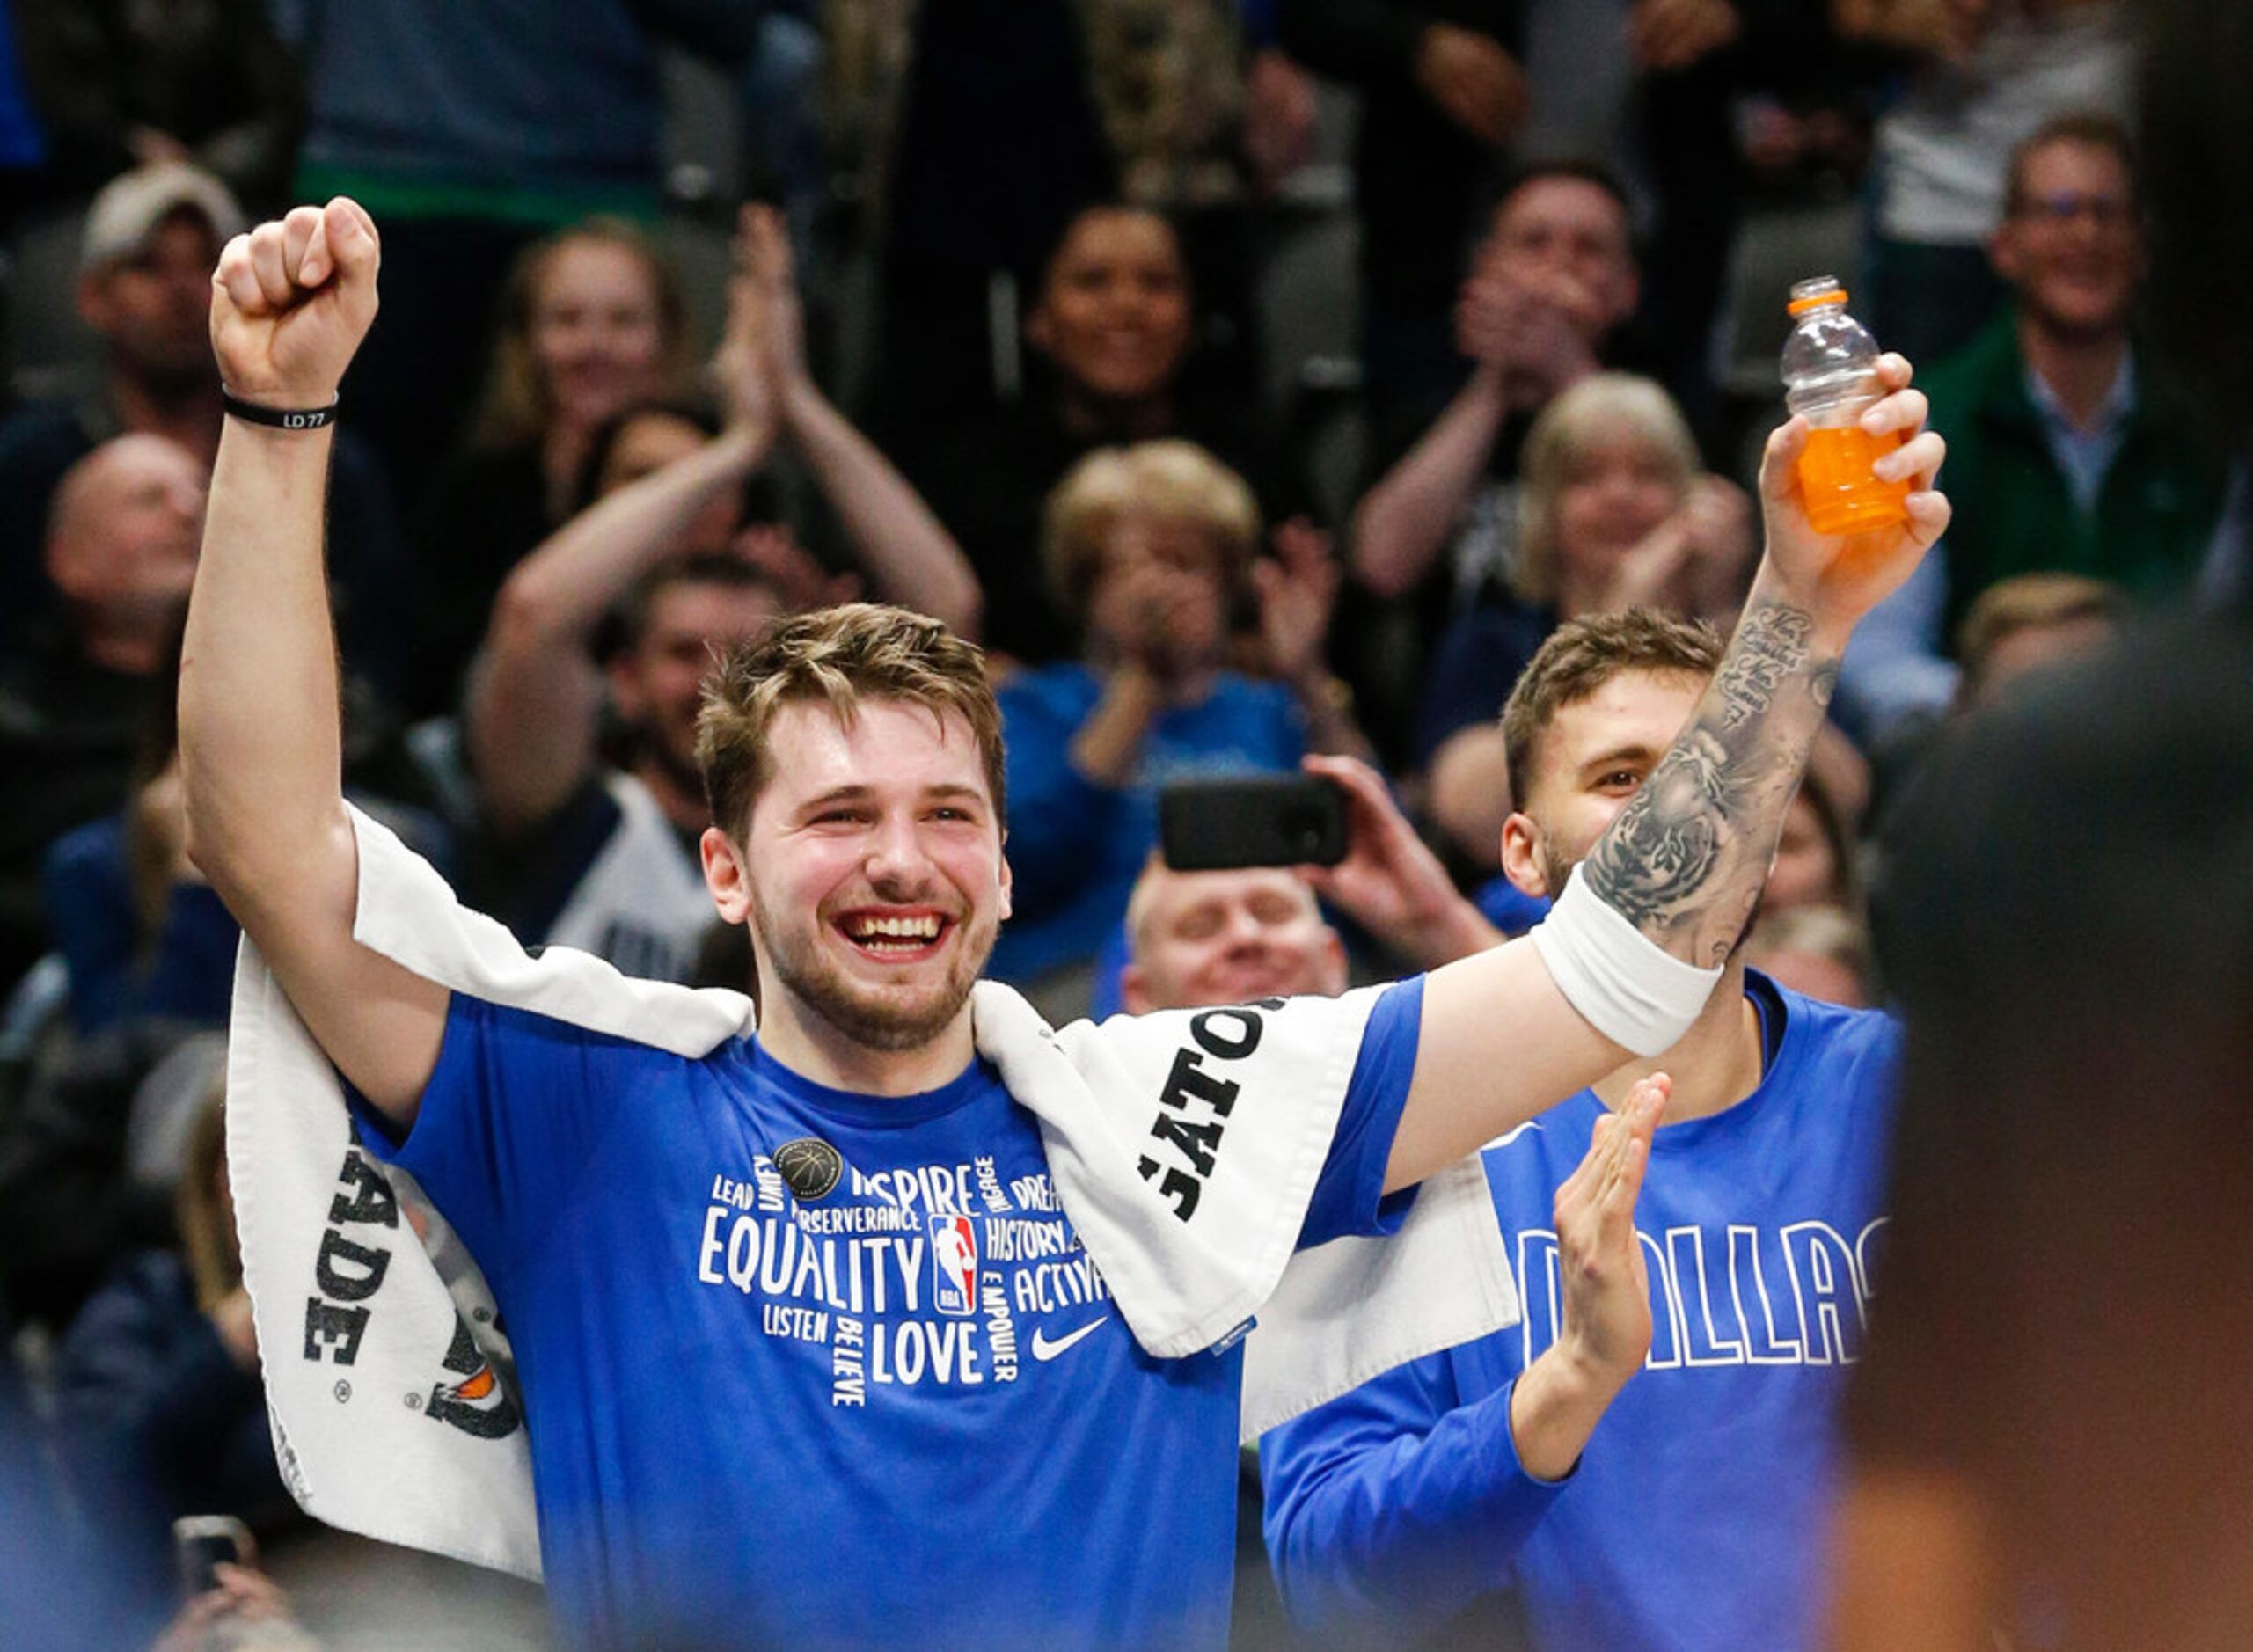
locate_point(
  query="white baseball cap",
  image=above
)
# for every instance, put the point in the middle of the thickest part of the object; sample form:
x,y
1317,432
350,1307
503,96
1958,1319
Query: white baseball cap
x,y
125,214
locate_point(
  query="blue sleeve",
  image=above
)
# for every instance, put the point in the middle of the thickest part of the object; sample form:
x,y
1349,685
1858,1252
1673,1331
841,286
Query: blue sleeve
x,y
1055,812
511,1115
1350,1195
1896,665
1513,913
1393,1507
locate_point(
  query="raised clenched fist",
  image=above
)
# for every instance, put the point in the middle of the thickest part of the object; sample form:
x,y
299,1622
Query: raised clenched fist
x,y
290,301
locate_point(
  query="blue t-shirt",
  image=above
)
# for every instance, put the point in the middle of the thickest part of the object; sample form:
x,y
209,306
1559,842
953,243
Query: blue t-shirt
x,y
804,1368
1508,908
1075,848
1695,1517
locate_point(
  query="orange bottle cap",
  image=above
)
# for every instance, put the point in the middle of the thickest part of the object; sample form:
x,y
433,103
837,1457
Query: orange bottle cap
x,y
1801,306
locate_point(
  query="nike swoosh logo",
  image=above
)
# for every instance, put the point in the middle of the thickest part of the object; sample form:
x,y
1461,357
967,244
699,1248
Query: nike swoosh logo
x,y
1044,1350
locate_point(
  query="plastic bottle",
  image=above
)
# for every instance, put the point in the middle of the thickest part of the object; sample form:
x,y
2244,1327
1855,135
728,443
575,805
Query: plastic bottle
x,y
1830,373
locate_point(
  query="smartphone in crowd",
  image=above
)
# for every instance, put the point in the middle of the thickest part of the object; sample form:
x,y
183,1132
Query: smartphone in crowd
x,y
1266,820
200,1543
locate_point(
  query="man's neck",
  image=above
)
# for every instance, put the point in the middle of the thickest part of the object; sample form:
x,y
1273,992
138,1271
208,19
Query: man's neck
x,y
682,799
1089,417
128,652
187,412
817,1049
2079,368
1577,592
1715,1065
563,451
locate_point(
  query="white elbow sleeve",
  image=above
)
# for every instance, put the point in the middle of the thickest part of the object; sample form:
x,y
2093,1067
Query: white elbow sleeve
x,y
1627,988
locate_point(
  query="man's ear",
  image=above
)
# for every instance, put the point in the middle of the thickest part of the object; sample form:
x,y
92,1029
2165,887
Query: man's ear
x,y
93,295
1630,297
1039,331
1008,883
625,680
1521,856
2003,253
1134,991
724,876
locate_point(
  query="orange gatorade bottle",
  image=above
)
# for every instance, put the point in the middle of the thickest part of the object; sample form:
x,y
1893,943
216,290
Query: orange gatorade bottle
x,y
1830,373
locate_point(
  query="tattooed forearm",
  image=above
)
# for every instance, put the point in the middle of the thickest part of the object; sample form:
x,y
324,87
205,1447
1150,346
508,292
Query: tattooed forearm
x,y
1685,859
1772,645
1668,839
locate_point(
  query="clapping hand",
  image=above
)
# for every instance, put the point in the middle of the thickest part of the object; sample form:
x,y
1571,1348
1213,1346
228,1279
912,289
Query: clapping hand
x,y
1671,34
801,581
1297,590
1607,1324
1539,336
1472,81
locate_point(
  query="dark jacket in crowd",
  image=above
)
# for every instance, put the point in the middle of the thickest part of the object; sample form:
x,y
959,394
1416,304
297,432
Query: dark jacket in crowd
x,y
2014,514
1421,176
211,74
40,441
68,1209
69,733
155,1419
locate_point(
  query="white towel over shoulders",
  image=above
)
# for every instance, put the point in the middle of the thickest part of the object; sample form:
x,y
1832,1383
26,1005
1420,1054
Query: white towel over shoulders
x,y
390,1390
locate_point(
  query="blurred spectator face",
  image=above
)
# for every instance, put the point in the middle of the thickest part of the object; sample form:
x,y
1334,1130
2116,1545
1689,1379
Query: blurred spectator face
x,y
1114,317
597,329
153,309
649,442
1163,590
2029,621
1817,951
1568,239
2071,245
1617,489
1204,937
1806,869
128,522
2030,647
1590,758
657,681
1812,975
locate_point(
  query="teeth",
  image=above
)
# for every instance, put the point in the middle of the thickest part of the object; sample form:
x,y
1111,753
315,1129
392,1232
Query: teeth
x,y
913,928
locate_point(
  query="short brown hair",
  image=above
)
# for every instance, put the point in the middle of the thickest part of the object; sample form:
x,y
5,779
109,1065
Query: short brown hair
x,y
1581,657
630,613
2091,127
839,656
2030,601
1171,480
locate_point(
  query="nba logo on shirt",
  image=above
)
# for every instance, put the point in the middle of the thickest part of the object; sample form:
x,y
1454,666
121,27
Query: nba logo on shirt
x,y
953,1265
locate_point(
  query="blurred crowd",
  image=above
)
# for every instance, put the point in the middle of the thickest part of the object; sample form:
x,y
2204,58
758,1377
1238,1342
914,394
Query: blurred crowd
x,y
1257,380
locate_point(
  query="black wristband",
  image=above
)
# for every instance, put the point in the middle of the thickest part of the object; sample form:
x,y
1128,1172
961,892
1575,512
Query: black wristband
x,y
276,418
